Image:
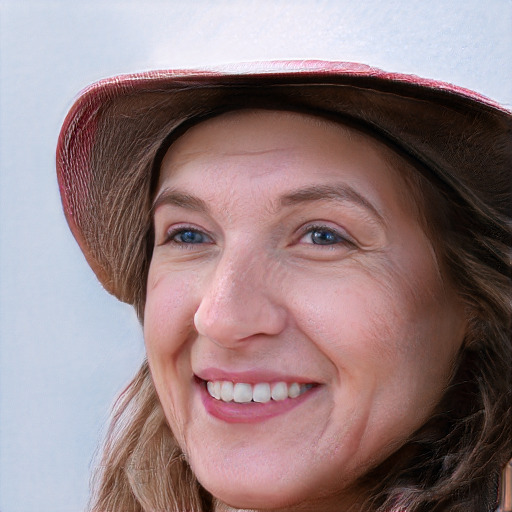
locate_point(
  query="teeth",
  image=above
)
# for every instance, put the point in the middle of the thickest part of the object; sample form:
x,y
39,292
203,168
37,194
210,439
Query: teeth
x,y
262,392
279,391
242,393
294,390
226,391
214,389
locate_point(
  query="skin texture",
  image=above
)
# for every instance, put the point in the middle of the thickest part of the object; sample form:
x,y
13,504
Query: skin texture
x,y
365,315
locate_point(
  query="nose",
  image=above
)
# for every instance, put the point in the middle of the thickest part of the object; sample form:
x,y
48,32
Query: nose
x,y
238,303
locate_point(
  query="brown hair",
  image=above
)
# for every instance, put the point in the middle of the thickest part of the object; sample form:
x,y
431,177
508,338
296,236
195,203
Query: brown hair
x,y
451,463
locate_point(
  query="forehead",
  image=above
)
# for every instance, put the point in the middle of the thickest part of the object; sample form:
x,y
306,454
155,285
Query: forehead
x,y
280,147
261,130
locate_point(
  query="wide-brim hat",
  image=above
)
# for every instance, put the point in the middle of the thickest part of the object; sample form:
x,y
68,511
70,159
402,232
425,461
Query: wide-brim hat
x,y
113,136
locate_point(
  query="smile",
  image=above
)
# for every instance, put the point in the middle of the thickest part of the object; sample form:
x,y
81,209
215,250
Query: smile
x,y
262,392
242,402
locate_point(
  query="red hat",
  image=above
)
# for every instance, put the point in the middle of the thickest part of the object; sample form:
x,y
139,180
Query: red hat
x,y
117,127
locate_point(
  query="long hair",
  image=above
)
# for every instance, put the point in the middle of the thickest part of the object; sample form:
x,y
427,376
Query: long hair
x,y
141,467
452,463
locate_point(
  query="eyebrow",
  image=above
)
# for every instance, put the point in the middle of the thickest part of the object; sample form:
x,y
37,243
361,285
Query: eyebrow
x,y
175,198
341,192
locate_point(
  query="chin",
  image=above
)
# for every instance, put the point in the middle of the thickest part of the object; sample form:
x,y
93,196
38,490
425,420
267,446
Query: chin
x,y
286,491
255,492
257,501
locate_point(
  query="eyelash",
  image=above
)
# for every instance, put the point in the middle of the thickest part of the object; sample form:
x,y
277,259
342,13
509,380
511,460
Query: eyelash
x,y
340,238
173,233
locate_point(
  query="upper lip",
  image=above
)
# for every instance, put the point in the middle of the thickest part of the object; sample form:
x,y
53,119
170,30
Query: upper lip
x,y
250,376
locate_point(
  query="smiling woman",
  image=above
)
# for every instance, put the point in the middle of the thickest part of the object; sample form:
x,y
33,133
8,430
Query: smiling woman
x,y
322,280
254,304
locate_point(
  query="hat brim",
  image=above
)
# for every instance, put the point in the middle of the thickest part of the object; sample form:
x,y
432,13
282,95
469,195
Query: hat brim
x,y
461,137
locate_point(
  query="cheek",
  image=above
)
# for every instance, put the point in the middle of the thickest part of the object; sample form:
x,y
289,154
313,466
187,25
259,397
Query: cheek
x,y
391,356
387,329
168,328
169,311
351,314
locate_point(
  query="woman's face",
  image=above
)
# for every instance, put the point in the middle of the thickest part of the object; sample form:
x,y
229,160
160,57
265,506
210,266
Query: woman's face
x,y
288,261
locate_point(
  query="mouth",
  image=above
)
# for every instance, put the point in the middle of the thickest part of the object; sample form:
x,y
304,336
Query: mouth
x,y
243,402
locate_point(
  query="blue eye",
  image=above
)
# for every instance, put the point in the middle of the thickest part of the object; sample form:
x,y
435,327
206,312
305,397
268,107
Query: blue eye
x,y
189,236
319,235
324,237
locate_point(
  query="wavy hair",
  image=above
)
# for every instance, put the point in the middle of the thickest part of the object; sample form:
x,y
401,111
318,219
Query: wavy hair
x,y
452,463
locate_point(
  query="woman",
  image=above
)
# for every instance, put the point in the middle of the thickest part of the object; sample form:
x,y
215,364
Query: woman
x,y
318,253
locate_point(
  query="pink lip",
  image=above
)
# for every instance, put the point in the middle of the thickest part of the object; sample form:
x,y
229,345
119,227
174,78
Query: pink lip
x,y
250,376
232,412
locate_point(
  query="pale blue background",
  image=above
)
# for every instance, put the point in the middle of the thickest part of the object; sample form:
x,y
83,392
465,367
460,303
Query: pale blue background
x,y
66,346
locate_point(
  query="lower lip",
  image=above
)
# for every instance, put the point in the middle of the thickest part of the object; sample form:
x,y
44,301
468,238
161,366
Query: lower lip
x,y
251,412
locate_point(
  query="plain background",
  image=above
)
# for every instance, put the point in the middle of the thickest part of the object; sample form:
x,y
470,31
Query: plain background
x,y
67,348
